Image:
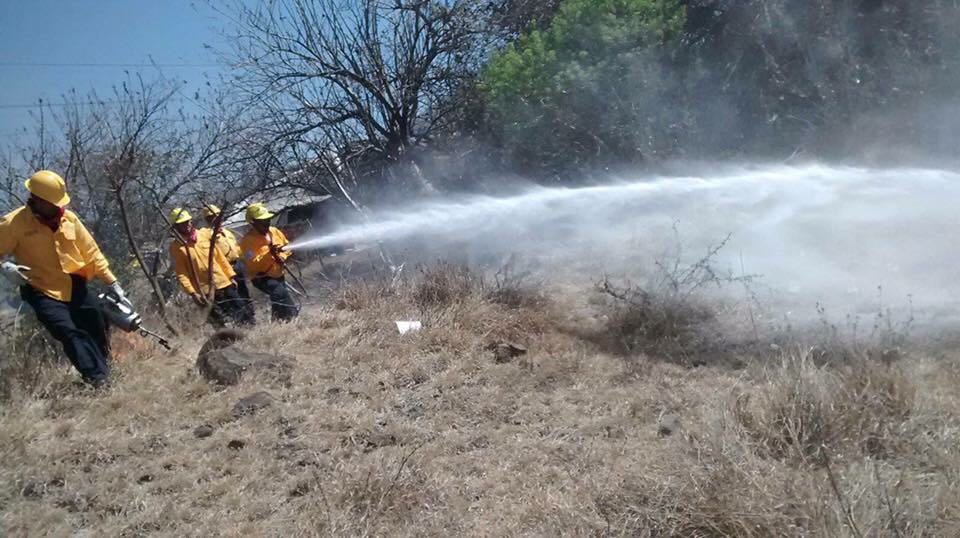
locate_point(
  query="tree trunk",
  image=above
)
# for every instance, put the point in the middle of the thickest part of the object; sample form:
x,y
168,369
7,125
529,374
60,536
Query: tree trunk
x,y
154,285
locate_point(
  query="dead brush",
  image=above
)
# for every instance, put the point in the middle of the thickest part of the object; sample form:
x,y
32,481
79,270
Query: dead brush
x,y
885,341
791,419
443,284
457,297
29,360
669,315
451,301
717,502
381,498
513,287
363,294
806,411
639,320
883,399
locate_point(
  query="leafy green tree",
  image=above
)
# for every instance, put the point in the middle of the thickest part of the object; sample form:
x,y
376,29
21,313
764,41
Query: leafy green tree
x,y
594,88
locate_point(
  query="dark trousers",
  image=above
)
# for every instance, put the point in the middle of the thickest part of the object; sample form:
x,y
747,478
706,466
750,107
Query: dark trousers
x,y
78,326
249,314
282,306
229,306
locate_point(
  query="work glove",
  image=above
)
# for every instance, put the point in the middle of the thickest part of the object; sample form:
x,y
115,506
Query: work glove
x,y
121,295
199,299
16,274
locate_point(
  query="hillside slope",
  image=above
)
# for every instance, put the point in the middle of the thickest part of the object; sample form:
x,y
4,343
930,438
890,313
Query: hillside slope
x,y
427,433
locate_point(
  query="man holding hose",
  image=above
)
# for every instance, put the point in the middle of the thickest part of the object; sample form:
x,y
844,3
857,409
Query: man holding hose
x,y
264,258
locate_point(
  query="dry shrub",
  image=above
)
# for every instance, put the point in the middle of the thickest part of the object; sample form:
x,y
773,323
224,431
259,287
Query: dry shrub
x,y
456,304
24,375
882,400
436,288
29,359
455,308
514,288
384,495
444,284
885,340
667,325
715,503
670,315
363,294
805,413
814,451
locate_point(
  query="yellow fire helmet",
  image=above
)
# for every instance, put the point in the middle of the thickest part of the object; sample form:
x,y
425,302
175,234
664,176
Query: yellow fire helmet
x,y
48,186
258,211
211,210
179,215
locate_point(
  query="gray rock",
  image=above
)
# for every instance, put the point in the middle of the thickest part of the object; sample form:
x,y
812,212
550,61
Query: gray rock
x,y
668,424
227,365
202,431
413,410
221,339
251,404
375,440
302,488
506,351
33,490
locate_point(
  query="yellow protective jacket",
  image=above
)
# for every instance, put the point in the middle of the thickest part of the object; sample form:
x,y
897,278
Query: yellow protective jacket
x,y
226,243
190,262
256,253
53,256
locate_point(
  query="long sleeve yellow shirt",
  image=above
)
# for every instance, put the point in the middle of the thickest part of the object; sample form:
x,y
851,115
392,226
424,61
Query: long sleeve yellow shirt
x,y
191,262
53,256
258,259
226,243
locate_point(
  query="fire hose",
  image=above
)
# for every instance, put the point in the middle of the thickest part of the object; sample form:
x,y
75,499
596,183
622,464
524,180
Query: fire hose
x,y
286,269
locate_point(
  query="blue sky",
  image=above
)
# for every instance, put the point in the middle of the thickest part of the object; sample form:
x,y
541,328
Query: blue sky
x,y
43,43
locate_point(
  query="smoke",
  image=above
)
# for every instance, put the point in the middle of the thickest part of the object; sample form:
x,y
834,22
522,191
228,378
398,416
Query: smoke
x,y
815,234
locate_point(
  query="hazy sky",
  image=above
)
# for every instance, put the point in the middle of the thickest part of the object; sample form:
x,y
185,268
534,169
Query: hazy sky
x,y
48,47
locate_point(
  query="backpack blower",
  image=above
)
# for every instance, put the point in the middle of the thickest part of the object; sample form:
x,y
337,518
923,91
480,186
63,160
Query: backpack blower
x,y
122,314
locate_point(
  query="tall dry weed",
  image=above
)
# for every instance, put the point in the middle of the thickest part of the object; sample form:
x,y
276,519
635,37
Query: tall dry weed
x,y
803,412
443,285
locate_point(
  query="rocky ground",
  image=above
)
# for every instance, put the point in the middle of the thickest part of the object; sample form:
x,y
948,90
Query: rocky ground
x,y
512,412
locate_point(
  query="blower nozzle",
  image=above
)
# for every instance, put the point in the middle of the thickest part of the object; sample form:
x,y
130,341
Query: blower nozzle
x,y
121,314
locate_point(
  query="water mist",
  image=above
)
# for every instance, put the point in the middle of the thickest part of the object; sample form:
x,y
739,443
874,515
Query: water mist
x,y
814,233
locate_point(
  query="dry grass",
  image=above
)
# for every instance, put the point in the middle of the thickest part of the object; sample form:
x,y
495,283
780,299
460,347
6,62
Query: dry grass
x,y
27,359
426,434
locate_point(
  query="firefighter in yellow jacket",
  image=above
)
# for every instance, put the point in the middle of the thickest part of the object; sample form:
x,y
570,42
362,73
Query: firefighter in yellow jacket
x,y
263,257
190,251
227,244
55,257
